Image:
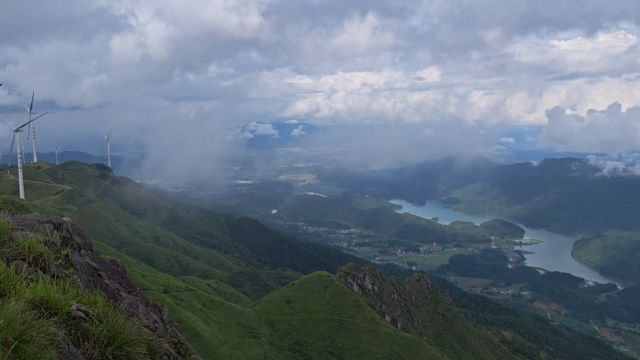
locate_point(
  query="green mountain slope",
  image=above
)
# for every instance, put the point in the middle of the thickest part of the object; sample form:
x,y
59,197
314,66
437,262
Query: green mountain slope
x,y
164,231
205,266
316,317
614,254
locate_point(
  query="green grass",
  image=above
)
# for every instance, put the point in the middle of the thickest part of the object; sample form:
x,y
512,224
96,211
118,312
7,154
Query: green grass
x,y
24,335
6,229
215,327
425,312
226,326
150,243
316,317
35,307
31,249
113,337
32,311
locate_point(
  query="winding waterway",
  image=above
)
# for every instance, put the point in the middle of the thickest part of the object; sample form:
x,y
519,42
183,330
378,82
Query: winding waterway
x,y
553,253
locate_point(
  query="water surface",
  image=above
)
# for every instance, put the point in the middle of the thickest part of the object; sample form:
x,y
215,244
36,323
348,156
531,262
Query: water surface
x,y
553,253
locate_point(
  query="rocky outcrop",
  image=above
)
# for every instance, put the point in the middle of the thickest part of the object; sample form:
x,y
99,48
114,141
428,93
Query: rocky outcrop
x,y
96,273
394,299
416,306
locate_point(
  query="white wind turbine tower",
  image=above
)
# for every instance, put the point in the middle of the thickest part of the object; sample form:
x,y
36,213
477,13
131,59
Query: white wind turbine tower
x,y
107,141
57,150
16,141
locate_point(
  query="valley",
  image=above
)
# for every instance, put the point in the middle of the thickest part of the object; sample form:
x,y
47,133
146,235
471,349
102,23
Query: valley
x,y
509,262
241,290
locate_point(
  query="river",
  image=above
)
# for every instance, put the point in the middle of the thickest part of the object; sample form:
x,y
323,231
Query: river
x,y
553,253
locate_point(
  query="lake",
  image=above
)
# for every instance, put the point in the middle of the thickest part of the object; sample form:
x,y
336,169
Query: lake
x,y
553,253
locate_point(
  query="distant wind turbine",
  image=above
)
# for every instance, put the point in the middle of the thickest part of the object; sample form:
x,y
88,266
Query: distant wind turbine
x,y
107,141
16,141
32,128
57,163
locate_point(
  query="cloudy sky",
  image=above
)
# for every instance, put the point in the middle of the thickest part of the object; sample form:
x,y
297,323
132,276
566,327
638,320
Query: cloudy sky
x,y
477,75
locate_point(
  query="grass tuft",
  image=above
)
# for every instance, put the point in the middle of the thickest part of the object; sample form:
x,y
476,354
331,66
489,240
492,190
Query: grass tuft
x,y
32,250
23,335
114,337
50,298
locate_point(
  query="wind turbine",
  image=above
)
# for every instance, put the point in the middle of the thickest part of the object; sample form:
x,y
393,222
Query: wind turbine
x,y
32,129
16,141
107,141
57,163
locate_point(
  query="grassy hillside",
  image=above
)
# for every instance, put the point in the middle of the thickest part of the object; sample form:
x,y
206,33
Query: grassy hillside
x,y
205,266
417,307
316,317
47,312
614,254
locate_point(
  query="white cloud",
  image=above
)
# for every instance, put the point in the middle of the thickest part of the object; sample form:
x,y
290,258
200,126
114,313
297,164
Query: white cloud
x,y
622,165
392,95
430,74
85,80
263,129
507,140
611,130
362,35
156,27
299,131
149,35
578,53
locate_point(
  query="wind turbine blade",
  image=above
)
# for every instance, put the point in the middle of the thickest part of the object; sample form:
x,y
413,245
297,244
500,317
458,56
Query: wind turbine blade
x,y
30,121
33,95
13,141
39,116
